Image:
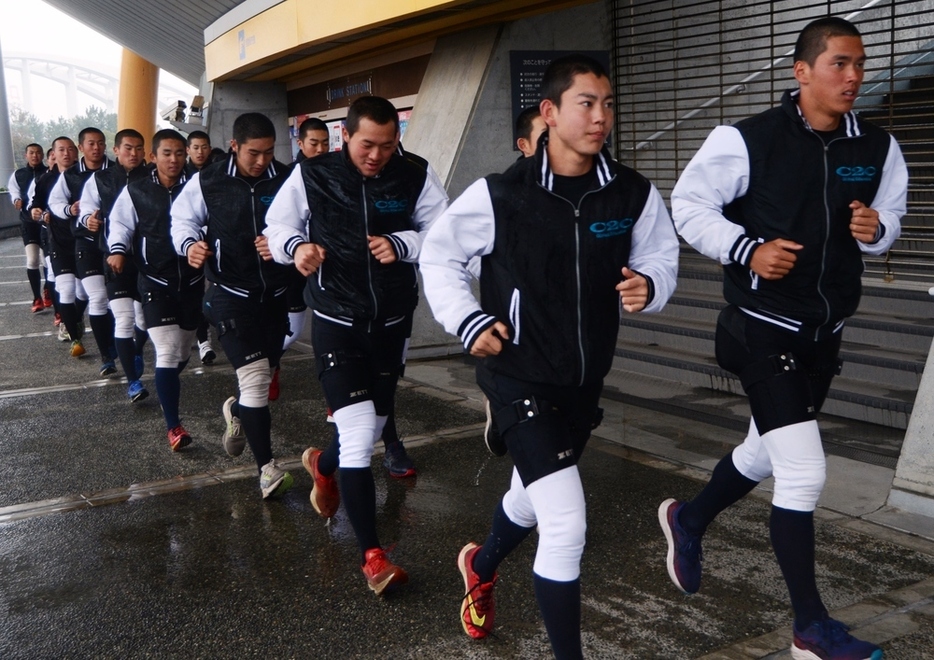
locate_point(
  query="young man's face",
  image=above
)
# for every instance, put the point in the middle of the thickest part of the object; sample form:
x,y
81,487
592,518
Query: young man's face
x,y
314,143
130,152
254,156
92,148
169,158
65,154
371,147
581,124
528,145
830,86
33,156
199,151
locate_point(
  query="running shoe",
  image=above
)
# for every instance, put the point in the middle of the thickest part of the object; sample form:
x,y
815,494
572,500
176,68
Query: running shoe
x,y
37,305
325,497
380,573
77,348
492,438
47,298
684,549
397,461
136,392
274,385
274,481
830,639
477,607
178,438
140,365
63,333
234,439
206,352
108,369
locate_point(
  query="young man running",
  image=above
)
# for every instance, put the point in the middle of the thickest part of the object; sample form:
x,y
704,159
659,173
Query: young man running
x,y
97,200
199,155
20,182
352,222
226,203
788,201
170,289
567,240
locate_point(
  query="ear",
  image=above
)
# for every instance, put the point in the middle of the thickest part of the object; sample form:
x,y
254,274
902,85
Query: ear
x,y
802,72
344,134
233,145
549,110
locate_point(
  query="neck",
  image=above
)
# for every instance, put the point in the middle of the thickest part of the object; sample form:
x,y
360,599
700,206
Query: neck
x,y
567,162
167,180
818,119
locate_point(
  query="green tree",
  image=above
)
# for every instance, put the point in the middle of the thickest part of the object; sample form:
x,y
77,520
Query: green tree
x,y
25,128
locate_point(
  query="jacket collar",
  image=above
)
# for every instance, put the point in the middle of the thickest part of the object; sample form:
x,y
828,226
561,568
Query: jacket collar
x,y
154,174
546,177
792,108
270,172
83,166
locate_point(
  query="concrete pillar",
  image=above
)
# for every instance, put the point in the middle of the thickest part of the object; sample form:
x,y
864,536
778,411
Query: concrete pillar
x,y
231,99
913,485
139,88
7,162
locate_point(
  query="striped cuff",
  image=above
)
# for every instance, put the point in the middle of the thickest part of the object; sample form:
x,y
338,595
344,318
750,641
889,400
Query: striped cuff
x,y
650,296
292,244
119,248
398,246
742,250
187,244
473,326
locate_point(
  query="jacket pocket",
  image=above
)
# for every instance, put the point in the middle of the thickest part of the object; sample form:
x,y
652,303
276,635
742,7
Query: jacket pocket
x,y
514,305
143,250
217,254
320,276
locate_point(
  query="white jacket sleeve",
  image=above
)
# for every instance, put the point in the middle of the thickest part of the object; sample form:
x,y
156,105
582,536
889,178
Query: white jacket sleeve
x,y
122,227
718,174
464,231
287,218
59,204
654,251
90,200
15,193
890,201
430,205
189,215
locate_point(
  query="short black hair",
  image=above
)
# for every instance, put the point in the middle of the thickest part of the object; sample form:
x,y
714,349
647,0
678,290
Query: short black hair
x,y
62,137
128,133
812,41
375,108
559,76
163,135
217,154
89,129
31,145
252,126
309,125
198,135
524,121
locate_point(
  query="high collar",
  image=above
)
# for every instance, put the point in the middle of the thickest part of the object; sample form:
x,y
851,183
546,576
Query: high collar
x,y
792,107
546,177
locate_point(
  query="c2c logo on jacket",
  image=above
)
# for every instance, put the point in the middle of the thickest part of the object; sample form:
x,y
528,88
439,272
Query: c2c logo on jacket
x,y
266,200
391,205
856,173
610,228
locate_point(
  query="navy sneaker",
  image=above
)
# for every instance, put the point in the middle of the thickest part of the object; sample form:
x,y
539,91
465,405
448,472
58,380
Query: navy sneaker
x,y
684,550
140,365
136,392
397,461
494,441
108,369
829,639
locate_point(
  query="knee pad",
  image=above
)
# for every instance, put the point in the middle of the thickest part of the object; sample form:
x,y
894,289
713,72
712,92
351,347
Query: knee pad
x,y
124,316
80,293
33,257
166,341
296,323
253,379
517,505
559,505
751,459
356,425
140,317
97,294
798,464
65,285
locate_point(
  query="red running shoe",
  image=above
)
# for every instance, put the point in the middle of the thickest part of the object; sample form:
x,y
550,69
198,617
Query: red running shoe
x,y
47,298
57,321
477,607
178,438
37,305
380,573
325,497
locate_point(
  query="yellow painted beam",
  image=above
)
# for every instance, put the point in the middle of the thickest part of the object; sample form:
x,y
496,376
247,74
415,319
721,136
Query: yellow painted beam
x,y
139,89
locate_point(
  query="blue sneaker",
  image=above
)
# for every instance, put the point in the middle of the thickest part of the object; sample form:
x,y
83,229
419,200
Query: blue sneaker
x,y
136,392
108,369
140,366
684,550
397,461
829,639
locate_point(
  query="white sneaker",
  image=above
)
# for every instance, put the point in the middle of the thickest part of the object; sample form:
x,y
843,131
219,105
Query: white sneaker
x,y
234,439
63,333
206,352
274,481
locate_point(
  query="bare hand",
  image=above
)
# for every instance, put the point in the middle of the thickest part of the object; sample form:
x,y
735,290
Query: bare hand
x,y
198,254
18,204
116,261
74,209
381,248
94,221
262,247
775,259
36,214
490,341
633,291
46,217
864,223
308,257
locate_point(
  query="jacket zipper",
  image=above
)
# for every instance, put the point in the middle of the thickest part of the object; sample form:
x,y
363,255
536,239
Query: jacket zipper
x,y
366,242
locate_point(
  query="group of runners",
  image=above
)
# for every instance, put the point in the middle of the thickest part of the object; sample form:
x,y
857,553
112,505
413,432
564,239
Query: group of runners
x,y
563,243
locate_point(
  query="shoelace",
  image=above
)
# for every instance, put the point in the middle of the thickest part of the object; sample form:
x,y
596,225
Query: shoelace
x,y
234,429
836,632
481,601
690,547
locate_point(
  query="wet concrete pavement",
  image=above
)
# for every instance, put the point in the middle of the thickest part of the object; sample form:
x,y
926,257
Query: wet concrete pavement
x,y
113,546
